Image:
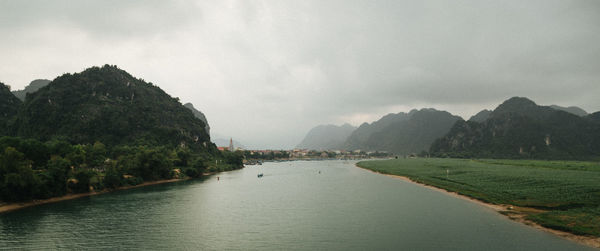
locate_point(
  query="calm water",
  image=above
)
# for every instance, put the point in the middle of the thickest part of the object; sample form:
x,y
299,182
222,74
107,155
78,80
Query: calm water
x,y
291,207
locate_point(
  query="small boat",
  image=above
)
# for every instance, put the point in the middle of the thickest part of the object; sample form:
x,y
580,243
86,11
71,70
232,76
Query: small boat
x,y
260,175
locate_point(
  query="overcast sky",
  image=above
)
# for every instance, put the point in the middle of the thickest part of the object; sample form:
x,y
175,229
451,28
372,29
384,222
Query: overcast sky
x,y
265,72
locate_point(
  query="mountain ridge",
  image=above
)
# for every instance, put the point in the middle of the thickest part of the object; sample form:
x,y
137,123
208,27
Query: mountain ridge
x,y
109,105
326,137
34,86
519,128
404,133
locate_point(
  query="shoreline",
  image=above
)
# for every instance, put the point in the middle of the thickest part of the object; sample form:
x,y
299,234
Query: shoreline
x,y
8,207
511,212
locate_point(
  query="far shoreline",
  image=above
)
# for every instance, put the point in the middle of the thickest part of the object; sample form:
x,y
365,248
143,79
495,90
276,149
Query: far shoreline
x,y
511,212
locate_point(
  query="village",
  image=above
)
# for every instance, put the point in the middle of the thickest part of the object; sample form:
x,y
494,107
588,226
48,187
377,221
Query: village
x,y
258,156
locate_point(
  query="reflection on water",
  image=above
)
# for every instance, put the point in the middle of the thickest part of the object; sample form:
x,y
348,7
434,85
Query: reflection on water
x,y
325,205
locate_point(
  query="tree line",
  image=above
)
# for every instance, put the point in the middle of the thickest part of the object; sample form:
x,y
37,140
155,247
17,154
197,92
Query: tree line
x,y
32,169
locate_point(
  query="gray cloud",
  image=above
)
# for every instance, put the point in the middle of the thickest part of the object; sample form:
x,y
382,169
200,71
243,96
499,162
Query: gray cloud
x,y
265,72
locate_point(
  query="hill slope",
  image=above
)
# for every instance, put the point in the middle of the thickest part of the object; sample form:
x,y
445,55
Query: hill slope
x,y
108,105
326,137
571,109
409,133
481,116
594,117
519,128
9,107
199,115
358,139
31,88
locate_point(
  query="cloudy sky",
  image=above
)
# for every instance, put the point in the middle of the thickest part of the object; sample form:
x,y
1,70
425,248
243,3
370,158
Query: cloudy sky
x,y
265,72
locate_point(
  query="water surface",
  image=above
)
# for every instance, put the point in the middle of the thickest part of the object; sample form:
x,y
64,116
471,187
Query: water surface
x,y
293,207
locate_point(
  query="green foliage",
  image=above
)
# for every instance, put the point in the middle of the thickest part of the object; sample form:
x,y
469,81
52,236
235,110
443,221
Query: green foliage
x,y
112,178
109,105
101,128
9,107
30,169
16,176
568,190
82,182
55,177
520,129
233,158
152,164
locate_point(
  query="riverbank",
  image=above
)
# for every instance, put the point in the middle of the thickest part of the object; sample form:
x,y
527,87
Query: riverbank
x,y
516,213
20,205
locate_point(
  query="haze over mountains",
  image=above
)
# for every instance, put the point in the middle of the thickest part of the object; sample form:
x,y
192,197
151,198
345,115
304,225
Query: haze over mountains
x,y
326,137
518,128
571,109
32,87
401,133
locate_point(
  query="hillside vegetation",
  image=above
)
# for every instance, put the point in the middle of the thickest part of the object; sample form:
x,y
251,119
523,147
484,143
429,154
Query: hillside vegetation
x,y
519,129
99,129
9,107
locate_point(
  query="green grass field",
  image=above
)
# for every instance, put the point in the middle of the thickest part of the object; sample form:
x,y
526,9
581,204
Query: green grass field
x,y
568,192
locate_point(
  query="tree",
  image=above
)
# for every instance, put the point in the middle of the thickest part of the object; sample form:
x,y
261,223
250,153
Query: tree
x,y
16,177
112,178
58,169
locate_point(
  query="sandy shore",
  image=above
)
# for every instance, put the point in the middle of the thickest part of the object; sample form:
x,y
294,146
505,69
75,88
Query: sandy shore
x,y
510,211
16,206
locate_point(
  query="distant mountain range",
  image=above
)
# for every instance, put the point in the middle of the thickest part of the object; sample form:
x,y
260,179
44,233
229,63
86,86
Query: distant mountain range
x,y
359,138
31,88
571,109
402,133
326,137
519,128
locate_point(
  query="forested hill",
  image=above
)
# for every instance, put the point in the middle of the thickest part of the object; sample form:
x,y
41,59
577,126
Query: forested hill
x,y
407,133
199,115
34,86
109,105
519,128
326,137
9,106
99,129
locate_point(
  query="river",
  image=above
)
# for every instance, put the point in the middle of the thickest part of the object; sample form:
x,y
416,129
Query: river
x,y
301,205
